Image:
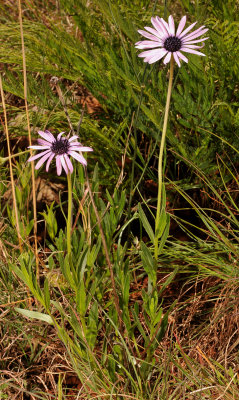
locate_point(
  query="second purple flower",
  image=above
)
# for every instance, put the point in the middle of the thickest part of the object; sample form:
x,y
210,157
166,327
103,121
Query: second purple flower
x,y
60,148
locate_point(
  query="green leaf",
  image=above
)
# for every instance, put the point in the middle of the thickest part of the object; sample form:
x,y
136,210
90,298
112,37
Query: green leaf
x,y
162,223
81,299
35,315
149,263
139,326
146,223
93,253
165,234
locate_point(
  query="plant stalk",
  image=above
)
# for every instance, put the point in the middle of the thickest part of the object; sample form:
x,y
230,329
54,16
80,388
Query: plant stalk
x,y
160,162
69,216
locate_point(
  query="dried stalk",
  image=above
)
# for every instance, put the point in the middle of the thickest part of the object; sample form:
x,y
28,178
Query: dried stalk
x,y
30,141
10,166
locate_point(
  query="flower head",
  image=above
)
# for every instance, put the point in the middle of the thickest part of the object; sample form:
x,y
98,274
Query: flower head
x,y
60,148
165,42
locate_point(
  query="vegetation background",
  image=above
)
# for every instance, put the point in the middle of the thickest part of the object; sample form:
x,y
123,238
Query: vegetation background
x,y
61,337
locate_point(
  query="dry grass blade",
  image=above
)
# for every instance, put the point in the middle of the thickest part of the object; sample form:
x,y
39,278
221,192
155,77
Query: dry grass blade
x,y
30,140
10,166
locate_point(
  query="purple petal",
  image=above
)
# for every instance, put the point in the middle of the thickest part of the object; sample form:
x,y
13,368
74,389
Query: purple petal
x,y
171,25
78,157
148,35
60,135
58,165
167,58
49,161
68,162
181,25
47,136
156,57
63,163
195,34
180,55
73,138
80,148
147,53
76,148
165,25
75,144
42,160
163,29
192,51
43,142
192,46
36,147
158,26
38,155
176,58
187,30
146,44
150,53
153,31
194,41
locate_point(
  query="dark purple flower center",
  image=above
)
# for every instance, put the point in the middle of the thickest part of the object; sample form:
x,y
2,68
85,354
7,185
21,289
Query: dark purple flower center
x,y
172,44
60,146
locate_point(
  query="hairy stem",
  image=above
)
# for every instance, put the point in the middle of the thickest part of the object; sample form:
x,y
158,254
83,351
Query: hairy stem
x,y
69,217
160,162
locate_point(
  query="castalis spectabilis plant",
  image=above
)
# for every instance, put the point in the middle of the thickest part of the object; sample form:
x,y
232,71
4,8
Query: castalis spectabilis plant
x,y
165,42
60,148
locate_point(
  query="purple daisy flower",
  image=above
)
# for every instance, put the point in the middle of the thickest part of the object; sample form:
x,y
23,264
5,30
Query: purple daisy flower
x,y
61,148
165,42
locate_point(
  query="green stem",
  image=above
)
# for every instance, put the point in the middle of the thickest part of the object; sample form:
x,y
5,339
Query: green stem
x,y
69,217
5,159
160,162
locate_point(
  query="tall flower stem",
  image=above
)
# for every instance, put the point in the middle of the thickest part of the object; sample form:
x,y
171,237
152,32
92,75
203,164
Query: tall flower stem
x,y
69,217
160,161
